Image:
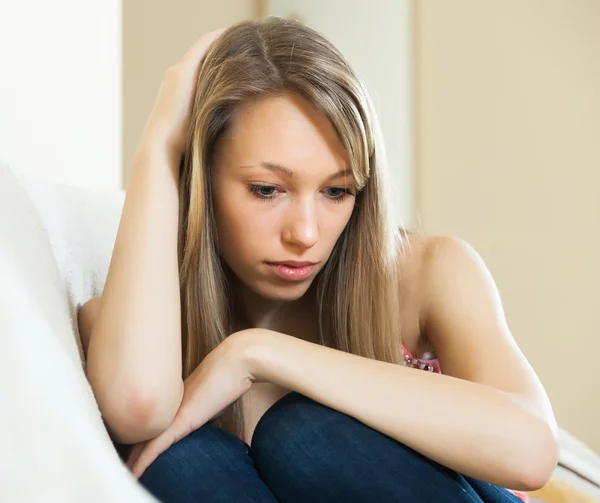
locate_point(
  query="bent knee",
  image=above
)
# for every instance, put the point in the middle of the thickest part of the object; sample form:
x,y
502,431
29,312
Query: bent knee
x,y
296,428
301,447
298,433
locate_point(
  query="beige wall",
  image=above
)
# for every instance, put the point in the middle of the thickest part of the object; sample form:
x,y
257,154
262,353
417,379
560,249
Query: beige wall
x,y
155,36
508,157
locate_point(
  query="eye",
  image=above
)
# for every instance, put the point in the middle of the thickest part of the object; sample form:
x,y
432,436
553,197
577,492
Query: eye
x,y
338,194
264,192
268,192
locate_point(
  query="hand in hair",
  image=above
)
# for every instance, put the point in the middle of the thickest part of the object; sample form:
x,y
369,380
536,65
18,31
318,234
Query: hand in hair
x,y
221,378
170,118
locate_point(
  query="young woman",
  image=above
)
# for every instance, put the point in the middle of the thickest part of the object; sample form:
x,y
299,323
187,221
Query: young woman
x,y
266,333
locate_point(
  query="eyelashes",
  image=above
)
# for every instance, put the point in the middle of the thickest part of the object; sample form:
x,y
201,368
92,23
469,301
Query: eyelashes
x,y
268,192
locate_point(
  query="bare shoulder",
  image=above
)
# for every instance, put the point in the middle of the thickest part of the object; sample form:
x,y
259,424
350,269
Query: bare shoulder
x,y
420,257
419,252
446,258
456,287
415,248
411,258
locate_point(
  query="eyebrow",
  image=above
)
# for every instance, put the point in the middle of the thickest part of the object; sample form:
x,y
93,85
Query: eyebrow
x,y
278,168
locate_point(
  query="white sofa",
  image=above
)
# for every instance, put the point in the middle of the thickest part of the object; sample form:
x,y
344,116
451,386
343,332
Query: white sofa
x,y
55,248
56,242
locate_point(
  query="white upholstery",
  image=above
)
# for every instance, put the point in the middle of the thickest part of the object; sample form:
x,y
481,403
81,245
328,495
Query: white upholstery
x,y
55,248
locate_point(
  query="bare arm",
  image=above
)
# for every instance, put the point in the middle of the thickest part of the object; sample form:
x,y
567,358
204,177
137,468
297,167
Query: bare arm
x,y
134,350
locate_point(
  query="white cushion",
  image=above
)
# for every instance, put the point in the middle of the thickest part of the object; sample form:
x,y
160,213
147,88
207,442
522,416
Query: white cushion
x,y
55,247
81,224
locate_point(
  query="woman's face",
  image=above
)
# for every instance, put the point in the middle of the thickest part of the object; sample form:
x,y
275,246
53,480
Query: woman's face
x,y
283,191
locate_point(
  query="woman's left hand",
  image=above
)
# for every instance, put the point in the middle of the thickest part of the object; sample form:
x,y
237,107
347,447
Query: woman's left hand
x,y
220,379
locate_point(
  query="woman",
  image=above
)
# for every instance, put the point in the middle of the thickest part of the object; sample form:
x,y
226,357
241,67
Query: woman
x,y
267,334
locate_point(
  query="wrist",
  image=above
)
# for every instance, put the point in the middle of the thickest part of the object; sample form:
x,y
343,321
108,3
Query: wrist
x,y
156,157
255,344
155,147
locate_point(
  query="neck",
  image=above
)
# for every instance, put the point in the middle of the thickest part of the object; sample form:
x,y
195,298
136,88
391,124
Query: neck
x,y
254,311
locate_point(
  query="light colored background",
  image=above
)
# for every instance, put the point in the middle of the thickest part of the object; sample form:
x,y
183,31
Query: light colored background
x,y
60,89
507,129
490,112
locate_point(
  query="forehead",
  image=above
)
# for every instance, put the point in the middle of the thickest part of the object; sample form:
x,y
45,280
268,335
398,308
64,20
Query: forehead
x,y
287,130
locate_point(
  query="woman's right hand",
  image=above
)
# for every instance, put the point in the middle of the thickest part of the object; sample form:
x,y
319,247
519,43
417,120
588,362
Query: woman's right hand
x,y
169,120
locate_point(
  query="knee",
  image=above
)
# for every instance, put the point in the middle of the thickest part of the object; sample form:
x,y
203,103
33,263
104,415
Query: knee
x,y
286,420
301,447
298,431
306,451
298,434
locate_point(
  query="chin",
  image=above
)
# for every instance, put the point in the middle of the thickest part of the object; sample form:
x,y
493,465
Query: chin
x,y
285,292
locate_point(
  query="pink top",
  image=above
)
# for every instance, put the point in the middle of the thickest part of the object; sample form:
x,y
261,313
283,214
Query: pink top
x,y
434,366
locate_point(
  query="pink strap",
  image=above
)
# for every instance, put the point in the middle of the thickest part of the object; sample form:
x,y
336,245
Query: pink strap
x,y
434,363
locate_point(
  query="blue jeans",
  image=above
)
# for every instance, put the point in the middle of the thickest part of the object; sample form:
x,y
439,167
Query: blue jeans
x,y
303,451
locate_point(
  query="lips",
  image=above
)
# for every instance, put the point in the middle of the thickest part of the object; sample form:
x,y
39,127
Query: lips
x,y
293,264
292,271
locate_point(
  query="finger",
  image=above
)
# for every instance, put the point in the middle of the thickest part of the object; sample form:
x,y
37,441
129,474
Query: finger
x,y
151,451
140,466
134,454
144,460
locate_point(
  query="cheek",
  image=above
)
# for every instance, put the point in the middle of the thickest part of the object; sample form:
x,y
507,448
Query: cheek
x,y
244,220
242,230
334,225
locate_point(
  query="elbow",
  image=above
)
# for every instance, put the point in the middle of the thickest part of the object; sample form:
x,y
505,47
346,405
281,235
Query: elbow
x,y
543,456
136,414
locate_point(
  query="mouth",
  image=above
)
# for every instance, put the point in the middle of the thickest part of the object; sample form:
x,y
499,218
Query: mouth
x,y
292,271
293,263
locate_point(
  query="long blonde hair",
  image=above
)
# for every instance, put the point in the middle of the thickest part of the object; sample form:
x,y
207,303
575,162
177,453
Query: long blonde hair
x,y
357,290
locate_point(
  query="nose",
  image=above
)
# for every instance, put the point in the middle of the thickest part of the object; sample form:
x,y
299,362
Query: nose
x,y
301,226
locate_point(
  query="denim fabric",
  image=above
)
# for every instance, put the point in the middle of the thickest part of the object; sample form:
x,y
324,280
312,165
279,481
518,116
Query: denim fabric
x,y
303,451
